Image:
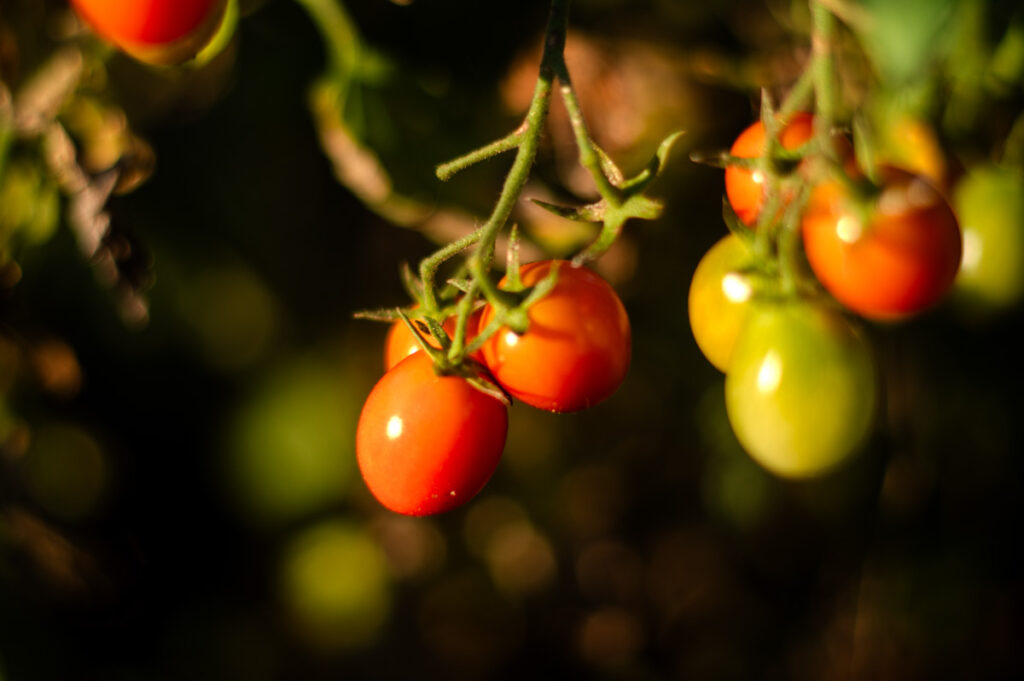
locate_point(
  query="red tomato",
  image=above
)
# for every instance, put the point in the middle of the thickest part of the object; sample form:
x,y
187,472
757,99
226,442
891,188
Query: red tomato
x,y
898,260
427,443
745,188
154,31
576,351
401,343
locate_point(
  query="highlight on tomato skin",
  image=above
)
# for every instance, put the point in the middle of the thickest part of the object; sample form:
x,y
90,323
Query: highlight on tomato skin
x,y
801,390
745,188
576,351
895,259
426,443
159,32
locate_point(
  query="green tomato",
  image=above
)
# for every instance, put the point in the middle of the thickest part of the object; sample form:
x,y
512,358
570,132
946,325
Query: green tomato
x,y
801,388
719,294
989,203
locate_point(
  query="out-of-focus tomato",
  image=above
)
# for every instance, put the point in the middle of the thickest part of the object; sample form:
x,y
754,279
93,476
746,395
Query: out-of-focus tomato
x,y
400,342
576,351
908,142
154,31
719,297
801,388
990,205
745,188
892,260
427,443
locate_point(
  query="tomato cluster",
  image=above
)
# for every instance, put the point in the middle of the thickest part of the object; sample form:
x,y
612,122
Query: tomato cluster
x,y
154,31
800,377
428,440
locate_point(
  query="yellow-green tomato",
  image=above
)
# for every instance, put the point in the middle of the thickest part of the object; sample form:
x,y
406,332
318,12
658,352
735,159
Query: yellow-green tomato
x,y
801,389
989,203
719,294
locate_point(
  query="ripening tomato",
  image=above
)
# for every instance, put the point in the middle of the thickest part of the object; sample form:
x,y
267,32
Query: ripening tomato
x,y
154,31
745,188
910,143
719,297
576,350
401,343
427,443
898,259
801,388
990,204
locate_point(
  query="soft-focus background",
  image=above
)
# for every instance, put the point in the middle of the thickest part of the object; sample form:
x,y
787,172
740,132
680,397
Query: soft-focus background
x,y
179,499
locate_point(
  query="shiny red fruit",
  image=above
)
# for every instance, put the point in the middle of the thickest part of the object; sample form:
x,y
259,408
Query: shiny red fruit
x,y
427,443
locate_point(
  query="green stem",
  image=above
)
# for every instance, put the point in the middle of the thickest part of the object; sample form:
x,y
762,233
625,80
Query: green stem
x,y
824,74
589,156
338,31
796,98
446,170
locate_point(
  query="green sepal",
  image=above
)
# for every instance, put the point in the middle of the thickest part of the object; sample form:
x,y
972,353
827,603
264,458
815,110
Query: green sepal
x,y
654,167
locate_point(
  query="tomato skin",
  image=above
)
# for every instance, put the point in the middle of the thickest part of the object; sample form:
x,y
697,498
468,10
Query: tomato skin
x,y
427,443
576,351
801,389
154,31
745,188
989,202
400,342
719,298
902,261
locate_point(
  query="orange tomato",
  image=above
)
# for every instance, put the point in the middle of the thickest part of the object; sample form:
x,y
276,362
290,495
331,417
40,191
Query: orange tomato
x,y
745,188
576,350
401,343
895,259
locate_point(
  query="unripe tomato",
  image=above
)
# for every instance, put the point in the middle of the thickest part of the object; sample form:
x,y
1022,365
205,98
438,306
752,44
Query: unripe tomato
x,y
401,343
427,443
719,297
801,388
745,188
154,31
895,259
576,351
990,205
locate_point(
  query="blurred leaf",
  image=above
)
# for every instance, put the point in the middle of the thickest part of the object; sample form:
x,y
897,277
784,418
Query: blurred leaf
x,y
903,38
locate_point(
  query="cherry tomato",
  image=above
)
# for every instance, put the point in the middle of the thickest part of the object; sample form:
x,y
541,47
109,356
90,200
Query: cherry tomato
x,y
801,388
719,297
576,351
401,343
427,443
910,143
745,188
990,205
895,259
154,31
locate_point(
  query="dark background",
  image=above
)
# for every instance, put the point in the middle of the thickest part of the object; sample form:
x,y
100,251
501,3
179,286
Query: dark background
x,y
633,541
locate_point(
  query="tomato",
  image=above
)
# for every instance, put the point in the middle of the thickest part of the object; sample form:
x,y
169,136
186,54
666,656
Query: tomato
x,y
745,188
401,343
898,259
910,143
427,443
154,31
990,205
801,388
576,350
719,296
